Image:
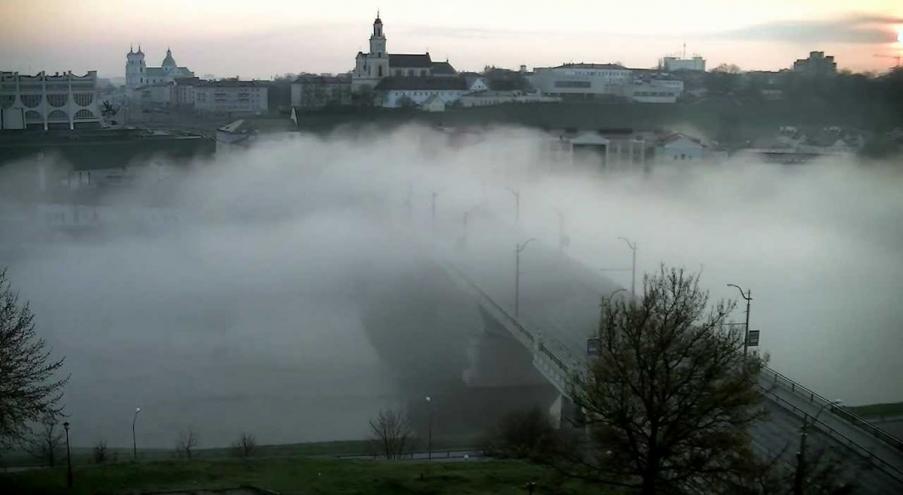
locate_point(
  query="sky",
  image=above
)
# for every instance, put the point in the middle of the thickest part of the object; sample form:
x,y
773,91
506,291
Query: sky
x,y
269,37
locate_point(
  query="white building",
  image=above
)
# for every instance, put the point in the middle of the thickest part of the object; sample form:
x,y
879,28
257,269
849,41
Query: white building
x,y
656,91
46,101
583,80
399,92
371,68
677,147
137,73
489,98
674,64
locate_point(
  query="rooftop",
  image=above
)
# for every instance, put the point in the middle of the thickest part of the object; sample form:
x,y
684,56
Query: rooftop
x,y
422,83
408,60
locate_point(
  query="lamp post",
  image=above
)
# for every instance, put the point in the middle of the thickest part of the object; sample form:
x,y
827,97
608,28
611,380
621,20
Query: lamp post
x,y
800,474
68,457
563,240
467,219
516,195
748,297
429,431
632,246
135,443
434,207
517,250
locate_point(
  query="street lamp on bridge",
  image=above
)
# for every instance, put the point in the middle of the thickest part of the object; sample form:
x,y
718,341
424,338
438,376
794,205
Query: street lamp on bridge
x,y
516,195
632,246
748,297
517,250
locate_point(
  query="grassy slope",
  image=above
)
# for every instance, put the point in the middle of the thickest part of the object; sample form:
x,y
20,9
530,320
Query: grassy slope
x,y
298,475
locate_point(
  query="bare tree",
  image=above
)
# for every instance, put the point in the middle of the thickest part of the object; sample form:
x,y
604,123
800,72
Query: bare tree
x,y
46,444
186,441
525,434
245,445
391,432
100,452
669,400
29,391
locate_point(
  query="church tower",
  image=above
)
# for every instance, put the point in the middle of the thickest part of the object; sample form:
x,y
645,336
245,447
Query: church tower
x,y
378,39
134,68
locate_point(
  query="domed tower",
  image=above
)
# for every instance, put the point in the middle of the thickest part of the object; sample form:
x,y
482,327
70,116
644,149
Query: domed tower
x,y
169,64
134,68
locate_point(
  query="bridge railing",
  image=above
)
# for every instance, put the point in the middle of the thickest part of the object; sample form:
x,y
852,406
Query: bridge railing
x,y
868,454
555,361
807,394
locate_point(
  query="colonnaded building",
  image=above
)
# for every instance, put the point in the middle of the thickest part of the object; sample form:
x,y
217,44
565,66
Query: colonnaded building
x,y
48,101
138,74
371,68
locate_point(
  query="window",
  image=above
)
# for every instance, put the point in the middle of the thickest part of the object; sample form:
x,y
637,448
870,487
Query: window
x,y
572,84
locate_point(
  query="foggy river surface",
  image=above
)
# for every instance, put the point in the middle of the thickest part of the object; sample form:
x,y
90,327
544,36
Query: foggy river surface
x,y
248,314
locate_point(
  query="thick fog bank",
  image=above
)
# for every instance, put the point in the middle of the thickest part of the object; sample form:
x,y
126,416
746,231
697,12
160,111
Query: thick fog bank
x,y
271,297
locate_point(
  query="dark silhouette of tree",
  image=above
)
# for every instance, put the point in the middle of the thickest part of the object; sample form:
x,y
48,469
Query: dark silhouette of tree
x,y
669,399
245,445
100,452
391,432
46,444
29,391
186,441
523,435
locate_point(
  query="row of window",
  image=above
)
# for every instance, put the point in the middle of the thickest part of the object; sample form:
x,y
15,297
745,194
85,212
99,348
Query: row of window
x,y
572,84
55,100
32,116
654,93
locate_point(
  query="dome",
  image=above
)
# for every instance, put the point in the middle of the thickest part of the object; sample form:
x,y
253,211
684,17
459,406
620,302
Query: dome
x,y
169,61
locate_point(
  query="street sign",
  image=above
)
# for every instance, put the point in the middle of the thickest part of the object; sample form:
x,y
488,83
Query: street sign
x,y
753,338
592,347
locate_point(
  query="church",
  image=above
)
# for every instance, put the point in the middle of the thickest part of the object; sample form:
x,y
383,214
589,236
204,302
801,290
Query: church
x,y
371,68
137,74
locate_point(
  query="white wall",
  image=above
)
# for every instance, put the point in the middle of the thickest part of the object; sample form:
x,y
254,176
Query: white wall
x,y
393,97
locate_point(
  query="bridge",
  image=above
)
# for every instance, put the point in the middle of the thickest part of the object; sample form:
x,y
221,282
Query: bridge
x,y
558,315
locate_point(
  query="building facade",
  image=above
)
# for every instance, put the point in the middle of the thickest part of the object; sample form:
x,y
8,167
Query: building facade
x,y
231,96
371,68
582,80
61,101
138,74
674,64
817,65
313,92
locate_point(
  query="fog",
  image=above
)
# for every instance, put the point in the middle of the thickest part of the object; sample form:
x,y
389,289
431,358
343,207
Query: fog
x,y
288,290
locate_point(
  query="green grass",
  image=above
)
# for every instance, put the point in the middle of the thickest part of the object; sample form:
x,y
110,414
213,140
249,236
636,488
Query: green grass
x,y
878,410
298,475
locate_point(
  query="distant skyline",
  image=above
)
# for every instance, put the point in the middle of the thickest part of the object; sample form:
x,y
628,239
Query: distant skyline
x,y
270,37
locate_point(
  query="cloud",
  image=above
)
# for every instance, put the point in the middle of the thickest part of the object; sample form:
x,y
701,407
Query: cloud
x,y
865,29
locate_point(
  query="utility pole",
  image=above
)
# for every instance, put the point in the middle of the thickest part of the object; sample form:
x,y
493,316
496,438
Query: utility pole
x,y
517,250
633,247
434,207
68,457
516,195
563,240
134,442
748,297
429,431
